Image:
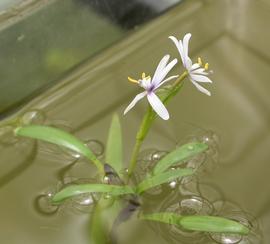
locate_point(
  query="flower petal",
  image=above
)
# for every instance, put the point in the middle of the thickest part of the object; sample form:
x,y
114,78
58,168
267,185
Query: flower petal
x,y
134,101
188,62
179,46
200,78
162,64
194,66
185,43
158,106
166,80
200,88
200,71
160,76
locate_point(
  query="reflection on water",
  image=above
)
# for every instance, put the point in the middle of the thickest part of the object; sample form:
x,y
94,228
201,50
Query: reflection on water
x,y
238,112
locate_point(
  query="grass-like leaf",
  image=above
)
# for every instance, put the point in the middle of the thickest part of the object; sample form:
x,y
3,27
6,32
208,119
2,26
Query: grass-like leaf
x,y
200,223
114,145
74,190
102,219
162,178
59,137
178,155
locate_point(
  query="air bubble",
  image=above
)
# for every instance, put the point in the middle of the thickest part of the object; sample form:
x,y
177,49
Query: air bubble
x,y
226,238
173,184
196,205
36,117
82,203
43,204
85,202
146,162
96,147
192,205
233,212
158,155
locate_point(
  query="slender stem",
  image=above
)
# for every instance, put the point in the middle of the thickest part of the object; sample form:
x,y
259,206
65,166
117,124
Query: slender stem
x,y
148,120
141,134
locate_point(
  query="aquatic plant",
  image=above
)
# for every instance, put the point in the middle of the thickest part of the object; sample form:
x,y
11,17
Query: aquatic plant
x,y
114,181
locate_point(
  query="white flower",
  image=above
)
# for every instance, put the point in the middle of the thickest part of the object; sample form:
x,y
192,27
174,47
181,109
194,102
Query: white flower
x,y
151,85
197,73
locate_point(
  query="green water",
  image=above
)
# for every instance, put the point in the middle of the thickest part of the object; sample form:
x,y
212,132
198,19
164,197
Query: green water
x,y
234,40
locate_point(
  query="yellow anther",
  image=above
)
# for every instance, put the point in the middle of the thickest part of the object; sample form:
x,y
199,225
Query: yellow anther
x,y
206,66
200,61
144,77
132,80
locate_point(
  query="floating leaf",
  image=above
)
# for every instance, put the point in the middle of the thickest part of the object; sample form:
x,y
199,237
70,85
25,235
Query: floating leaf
x,y
200,223
58,137
74,190
182,153
162,178
114,145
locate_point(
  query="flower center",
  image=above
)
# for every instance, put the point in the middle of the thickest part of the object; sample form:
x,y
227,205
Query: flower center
x,y
144,77
206,66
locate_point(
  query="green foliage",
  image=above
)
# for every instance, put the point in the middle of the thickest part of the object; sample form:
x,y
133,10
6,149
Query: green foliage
x,y
106,210
102,219
179,155
162,178
199,223
60,138
74,190
114,145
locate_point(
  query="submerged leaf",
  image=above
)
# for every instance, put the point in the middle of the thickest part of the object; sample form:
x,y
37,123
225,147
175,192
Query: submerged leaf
x,y
178,155
74,190
199,223
114,145
101,221
162,178
58,137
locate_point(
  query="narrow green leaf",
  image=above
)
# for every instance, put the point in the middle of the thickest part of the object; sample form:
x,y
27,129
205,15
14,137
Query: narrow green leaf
x,y
102,219
58,137
162,178
114,145
178,155
200,223
74,190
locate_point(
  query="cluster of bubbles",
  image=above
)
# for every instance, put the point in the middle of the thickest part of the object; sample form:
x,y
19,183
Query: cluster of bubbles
x,y
77,171
199,199
149,157
185,196
188,196
71,173
83,203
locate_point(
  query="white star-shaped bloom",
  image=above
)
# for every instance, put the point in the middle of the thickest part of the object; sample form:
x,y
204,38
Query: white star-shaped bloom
x,y
151,85
196,72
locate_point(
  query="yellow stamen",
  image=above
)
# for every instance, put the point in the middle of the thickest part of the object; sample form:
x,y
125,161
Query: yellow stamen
x,y
132,80
206,66
200,61
144,77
